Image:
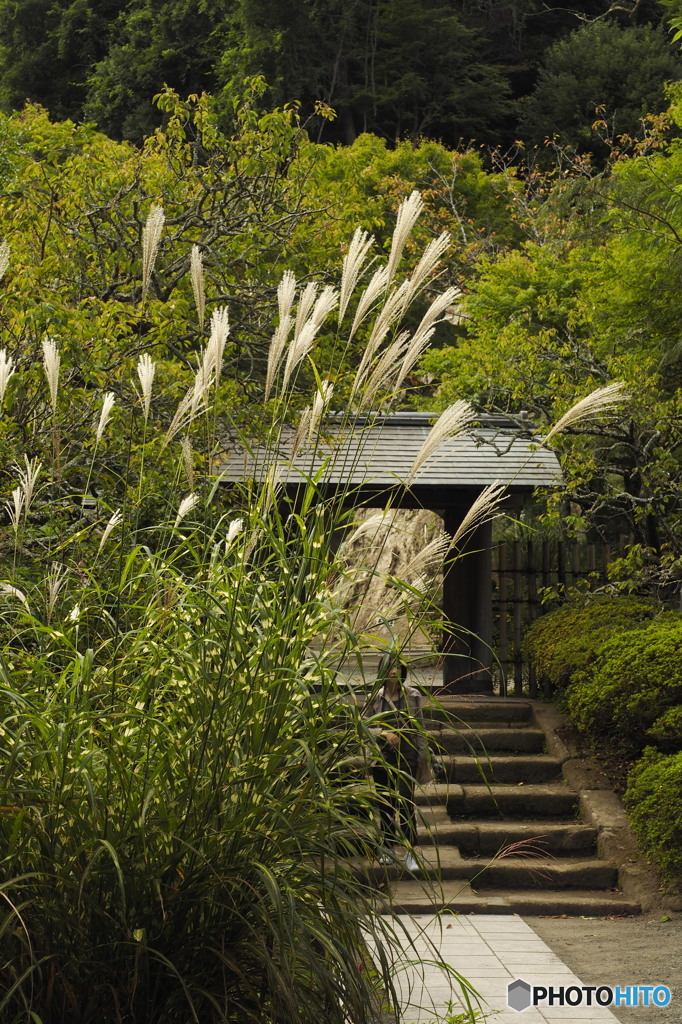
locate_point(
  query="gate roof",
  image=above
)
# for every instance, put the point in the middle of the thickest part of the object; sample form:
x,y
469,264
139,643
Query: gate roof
x,y
378,452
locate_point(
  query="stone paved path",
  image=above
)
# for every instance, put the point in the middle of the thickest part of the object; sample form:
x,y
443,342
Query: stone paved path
x,y
490,951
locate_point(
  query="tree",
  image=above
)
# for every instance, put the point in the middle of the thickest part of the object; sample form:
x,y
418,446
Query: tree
x,y
600,73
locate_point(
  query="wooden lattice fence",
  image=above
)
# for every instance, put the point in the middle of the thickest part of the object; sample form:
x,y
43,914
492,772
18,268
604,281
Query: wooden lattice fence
x,y
529,578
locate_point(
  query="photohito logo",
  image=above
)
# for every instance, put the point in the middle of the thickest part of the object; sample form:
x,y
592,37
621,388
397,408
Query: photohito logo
x,y
521,995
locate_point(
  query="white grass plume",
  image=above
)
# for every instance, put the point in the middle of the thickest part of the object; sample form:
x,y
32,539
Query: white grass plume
x,y
353,264
53,584
6,371
115,520
305,304
483,509
392,310
298,350
4,258
7,588
388,363
600,400
373,291
324,304
28,479
373,525
51,362
146,369
197,276
151,236
408,214
189,406
323,397
455,418
234,529
286,293
430,556
276,352
105,415
215,350
431,257
14,508
186,505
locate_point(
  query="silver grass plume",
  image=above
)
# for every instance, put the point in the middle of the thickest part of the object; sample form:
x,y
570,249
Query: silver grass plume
x,y
420,340
115,520
146,369
323,397
431,257
28,478
53,584
215,350
186,506
375,288
455,418
305,304
353,264
6,371
432,554
299,347
51,362
391,359
286,292
485,507
408,213
105,415
4,258
7,588
14,508
601,400
235,528
373,524
151,236
392,310
189,406
197,275
325,303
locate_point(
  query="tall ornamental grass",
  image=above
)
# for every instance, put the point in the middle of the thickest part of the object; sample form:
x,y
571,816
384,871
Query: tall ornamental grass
x,y
185,816
184,805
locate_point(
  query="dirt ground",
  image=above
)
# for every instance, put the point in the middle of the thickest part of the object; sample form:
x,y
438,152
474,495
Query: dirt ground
x,y
622,951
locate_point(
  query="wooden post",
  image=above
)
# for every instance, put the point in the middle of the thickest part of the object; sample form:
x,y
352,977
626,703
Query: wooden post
x,y
532,610
503,652
518,661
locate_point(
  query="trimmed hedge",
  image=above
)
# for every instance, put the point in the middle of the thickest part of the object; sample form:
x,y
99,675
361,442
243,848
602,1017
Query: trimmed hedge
x,y
565,640
634,678
654,802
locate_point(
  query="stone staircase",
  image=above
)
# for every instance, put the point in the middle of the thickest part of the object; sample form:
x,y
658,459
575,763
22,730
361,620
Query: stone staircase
x,y
503,834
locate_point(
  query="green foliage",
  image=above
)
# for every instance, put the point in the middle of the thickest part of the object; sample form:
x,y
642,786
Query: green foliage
x,y
600,73
666,732
567,639
633,678
654,803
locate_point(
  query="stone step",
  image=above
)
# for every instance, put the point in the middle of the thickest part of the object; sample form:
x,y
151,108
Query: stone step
x,y
531,768
482,741
474,839
415,898
449,710
445,864
494,801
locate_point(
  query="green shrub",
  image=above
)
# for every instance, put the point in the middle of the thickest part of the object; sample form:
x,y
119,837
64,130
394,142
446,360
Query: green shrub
x,y
666,732
634,677
565,640
654,802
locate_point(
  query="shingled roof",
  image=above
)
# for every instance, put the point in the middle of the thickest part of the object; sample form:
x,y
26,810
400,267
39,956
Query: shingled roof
x,y
378,453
